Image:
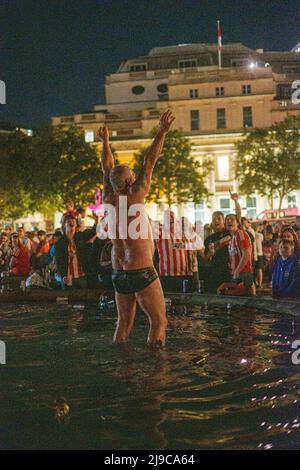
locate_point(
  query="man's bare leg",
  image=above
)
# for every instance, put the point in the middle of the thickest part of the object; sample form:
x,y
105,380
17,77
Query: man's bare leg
x,y
126,306
152,302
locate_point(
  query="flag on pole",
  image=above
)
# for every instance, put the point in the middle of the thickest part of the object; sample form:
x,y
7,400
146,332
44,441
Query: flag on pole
x,y
219,44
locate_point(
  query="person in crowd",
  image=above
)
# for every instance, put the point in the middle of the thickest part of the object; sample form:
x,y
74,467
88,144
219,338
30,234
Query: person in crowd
x,y
71,255
269,253
81,219
296,226
277,228
56,236
240,254
216,269
43,246
207,230
69,212
232,289
286,272
193,245
297,232
19,262
246,225
259,261
5,251
35,280
174,265
25,240
268,233
288,233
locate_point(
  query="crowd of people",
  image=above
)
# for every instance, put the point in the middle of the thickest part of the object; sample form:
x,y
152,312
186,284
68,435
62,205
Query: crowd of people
x,y
230,256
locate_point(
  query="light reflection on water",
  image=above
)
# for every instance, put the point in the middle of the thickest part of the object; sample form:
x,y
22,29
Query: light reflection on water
x,y
224,381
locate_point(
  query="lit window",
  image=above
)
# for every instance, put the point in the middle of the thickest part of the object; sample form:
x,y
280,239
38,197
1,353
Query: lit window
x,y
89,136
223,168
29,132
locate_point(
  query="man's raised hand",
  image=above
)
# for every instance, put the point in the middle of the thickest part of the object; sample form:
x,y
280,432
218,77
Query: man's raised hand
x,y
165,121
103,133
234,196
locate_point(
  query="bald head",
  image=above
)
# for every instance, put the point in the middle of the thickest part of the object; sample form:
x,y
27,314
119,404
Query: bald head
x,y
121,176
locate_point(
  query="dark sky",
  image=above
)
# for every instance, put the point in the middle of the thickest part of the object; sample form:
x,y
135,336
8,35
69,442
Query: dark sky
x,y
55,53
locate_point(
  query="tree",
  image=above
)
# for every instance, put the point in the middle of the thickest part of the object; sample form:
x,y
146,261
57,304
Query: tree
x,y
178,176
268,160
15,170
64,165
38,173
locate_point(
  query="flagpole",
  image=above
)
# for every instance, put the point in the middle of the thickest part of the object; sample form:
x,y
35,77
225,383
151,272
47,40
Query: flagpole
x,y
219,45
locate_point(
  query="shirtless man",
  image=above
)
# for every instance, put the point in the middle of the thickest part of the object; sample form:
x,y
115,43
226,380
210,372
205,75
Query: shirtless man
x,y
134,277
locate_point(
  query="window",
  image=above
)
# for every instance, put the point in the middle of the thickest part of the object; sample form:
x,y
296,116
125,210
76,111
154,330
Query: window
x,y
64,120
138,90
89,136
195,122
138,68
200,212
88,117
225,205
251,207
220,91
187,64
223,168
247,116
162,88
291,201
193,93
221,118
246,89
284,92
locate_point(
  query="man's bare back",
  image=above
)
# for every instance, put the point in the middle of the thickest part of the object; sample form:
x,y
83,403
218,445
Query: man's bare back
x,y
134,276
131,253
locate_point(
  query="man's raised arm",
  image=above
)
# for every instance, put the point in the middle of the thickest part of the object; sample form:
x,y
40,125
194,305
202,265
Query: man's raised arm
x,y
152,154
107,162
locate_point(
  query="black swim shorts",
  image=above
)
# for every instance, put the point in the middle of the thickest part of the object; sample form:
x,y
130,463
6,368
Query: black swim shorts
x,y
135,280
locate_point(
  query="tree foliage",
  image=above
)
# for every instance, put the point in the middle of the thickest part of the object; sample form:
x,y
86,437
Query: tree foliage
x,y
178,176
268,160
39,172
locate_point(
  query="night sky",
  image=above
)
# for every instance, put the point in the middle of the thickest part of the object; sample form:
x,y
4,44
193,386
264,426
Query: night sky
x,y
55,53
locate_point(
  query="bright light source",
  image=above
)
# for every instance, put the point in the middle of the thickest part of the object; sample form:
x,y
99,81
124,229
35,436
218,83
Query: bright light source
x,y
252,65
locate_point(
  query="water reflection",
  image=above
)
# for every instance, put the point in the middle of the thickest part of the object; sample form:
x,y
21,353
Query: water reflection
x,y
225,380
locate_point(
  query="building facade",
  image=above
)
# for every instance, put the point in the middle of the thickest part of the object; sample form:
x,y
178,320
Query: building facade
x,y
212,106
